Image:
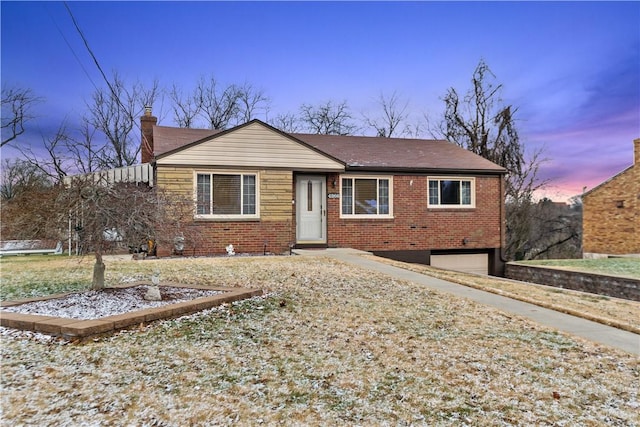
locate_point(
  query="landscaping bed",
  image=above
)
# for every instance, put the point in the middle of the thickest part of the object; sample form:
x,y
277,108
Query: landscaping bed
x,y
83,314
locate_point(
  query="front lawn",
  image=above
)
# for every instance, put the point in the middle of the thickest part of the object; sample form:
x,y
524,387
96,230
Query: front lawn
x,y
329,344
618,312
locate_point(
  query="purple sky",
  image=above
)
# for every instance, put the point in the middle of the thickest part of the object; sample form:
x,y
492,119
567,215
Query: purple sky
x,y
572,68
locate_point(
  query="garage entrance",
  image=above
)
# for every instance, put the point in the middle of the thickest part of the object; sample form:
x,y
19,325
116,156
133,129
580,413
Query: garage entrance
x,y
467,263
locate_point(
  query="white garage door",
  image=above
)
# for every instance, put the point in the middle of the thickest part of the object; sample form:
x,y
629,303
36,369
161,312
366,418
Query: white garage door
x,y
468,263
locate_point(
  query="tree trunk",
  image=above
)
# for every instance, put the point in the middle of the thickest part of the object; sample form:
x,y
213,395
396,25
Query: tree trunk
x,y
98,273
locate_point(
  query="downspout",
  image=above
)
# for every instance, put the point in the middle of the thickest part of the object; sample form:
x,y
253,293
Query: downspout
x,y
503,220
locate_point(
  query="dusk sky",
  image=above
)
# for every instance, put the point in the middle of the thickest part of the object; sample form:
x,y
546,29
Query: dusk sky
x,y
572,69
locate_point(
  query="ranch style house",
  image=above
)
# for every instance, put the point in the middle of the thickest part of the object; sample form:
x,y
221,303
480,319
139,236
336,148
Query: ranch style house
x,y
264,190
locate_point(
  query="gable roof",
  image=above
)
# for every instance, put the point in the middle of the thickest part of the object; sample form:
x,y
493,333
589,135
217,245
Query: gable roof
x,y
252,144
604,183
378,153
354,152
167,138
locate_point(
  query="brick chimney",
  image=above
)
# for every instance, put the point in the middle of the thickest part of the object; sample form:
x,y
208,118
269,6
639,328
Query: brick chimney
x,y
636,152
146,141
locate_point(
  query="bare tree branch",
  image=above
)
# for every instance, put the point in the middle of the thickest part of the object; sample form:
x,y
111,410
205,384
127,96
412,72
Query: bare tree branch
x,y
114,113
287,122
251,102
16,105
481,124
85,153
327,119
219,107
185,108
394,113
55,164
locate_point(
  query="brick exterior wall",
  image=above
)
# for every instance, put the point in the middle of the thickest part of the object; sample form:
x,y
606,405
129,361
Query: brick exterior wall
x,y
254,237
611,214
146,126
273,232
414,226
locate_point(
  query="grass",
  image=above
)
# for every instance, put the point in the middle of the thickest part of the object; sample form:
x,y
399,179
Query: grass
x,y
621,313
625,267
329,344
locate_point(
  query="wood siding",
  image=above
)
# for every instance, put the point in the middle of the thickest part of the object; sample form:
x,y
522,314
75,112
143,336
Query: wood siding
x,y
176,180
252,146
276,194
276,190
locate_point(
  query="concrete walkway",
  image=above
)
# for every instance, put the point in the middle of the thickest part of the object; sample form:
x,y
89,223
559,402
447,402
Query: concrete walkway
x,y
573,325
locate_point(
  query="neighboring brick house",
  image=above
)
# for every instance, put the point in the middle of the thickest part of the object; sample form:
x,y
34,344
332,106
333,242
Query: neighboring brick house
x,y
262,189
611,214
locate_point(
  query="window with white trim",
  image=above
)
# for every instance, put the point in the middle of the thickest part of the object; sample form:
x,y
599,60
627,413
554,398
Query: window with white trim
x,y
366,196
226,195
452,192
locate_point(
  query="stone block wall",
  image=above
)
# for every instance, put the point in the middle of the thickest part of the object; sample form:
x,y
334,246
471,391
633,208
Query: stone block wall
x,y
618,287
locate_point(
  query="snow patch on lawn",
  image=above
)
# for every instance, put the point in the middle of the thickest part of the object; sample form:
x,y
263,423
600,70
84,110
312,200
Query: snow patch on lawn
x,y
107,302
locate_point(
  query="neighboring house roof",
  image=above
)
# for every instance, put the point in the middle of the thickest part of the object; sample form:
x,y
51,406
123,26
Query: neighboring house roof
x,y
356,152
613,178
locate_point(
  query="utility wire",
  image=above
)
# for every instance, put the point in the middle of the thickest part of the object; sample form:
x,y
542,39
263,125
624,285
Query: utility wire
x,y
95,60
104,76
75,55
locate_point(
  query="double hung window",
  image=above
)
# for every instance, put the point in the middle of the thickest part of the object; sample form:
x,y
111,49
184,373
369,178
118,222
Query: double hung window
x,y
451,192
226,195
366,196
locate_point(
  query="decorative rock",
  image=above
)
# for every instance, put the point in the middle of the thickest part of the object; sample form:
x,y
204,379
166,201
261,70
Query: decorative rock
x,y
153,294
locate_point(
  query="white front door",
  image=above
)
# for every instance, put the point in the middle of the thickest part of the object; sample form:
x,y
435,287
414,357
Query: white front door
x,y
311,209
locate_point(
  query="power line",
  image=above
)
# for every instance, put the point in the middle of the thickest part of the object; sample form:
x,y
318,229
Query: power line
x,y
93,56
104,76
71,48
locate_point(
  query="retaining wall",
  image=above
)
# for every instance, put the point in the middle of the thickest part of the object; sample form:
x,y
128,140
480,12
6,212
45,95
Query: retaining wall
x,y
618,287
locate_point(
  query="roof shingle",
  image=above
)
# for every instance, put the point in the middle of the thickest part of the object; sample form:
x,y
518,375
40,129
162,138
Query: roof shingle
x,y
358,152
398,153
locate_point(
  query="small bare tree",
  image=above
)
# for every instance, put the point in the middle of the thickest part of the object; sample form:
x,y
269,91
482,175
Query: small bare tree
x,y
186,108
113,215
16,111
287,122
328,118
392,119
219,107
55,164
20,177
251,102
481,123
114,112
